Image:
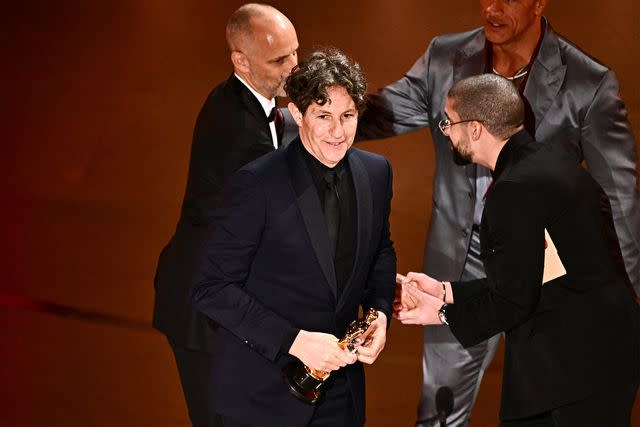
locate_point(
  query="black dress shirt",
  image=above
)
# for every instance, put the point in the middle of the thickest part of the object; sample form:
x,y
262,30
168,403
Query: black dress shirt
x,y
344,257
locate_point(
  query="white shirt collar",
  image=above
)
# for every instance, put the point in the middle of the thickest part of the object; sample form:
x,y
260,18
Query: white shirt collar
x,y
267,104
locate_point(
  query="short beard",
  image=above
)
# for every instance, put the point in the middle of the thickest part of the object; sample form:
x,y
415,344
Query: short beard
x,y
459,158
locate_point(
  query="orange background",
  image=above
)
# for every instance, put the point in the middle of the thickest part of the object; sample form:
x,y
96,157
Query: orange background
x,y
98,105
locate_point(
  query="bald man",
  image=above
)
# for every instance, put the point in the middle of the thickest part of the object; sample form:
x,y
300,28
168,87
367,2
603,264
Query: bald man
x,y
235,126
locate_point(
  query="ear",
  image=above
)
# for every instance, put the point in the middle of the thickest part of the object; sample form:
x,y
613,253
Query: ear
x,y
540,5
476,129
297,115
240,61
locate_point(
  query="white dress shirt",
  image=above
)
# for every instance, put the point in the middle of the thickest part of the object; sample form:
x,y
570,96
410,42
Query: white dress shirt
x,y
267,105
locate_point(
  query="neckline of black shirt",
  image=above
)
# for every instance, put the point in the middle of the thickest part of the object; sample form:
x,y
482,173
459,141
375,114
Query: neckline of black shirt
x,y
317,170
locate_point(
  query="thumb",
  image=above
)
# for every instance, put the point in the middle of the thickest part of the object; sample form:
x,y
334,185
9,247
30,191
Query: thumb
x,y
413,276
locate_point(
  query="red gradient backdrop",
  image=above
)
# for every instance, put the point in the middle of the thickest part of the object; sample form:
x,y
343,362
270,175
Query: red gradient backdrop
x,y
98,105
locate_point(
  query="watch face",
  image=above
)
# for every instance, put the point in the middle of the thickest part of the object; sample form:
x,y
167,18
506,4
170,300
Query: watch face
x,y
442,314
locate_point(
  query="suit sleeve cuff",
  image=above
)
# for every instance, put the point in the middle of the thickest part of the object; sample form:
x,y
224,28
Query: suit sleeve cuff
x,y
288,340
463,291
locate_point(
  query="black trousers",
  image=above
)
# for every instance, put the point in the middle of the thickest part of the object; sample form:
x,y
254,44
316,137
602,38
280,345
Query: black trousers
x,y
610,408
194,367
334,409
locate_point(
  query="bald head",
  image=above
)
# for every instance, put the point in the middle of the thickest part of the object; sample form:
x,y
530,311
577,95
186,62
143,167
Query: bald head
x,y
252,22
263,44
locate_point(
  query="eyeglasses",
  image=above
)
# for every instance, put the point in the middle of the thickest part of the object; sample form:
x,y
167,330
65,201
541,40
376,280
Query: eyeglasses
x,y
445,124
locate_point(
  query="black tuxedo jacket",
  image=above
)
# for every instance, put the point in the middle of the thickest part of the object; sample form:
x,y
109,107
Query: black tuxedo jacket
x,y
575,335
266,269
231,130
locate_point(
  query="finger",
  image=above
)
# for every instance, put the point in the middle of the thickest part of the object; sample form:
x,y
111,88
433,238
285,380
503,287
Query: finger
x,y
332,367
398,314
369,332
366,359
345,357
325,367
402,296
413,300
338,363
414,293
406,315
411,321
404,301
368,353
376,340
427,298
410,317
408,299
399,278
366,350
414,277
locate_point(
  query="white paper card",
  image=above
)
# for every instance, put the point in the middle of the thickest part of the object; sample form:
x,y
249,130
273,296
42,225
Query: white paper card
x,y
553,267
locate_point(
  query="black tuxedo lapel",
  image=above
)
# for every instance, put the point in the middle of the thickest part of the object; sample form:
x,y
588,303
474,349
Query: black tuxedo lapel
x,y
311,210
250,101
546,76
364,207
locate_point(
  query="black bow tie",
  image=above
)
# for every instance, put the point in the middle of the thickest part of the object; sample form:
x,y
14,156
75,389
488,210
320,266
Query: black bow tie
x,y
276,117
272,115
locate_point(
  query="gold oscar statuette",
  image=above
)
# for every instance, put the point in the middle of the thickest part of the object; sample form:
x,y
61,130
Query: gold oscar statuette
x,y
305,383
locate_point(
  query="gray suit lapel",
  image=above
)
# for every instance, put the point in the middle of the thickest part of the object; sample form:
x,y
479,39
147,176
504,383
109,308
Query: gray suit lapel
x,y
311,210
469,59
545,77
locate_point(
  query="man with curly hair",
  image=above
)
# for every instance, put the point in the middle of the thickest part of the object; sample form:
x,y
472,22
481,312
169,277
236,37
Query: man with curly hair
x,y
299,243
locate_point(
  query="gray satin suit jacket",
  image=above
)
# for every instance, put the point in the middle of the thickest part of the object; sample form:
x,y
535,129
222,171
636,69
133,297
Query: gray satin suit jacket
x,y
575,101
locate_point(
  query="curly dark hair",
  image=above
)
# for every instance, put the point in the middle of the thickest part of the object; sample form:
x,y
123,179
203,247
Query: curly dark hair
x,y
321,70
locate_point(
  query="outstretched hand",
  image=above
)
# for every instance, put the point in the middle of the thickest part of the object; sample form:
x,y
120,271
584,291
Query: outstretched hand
x,y
427,284
402,300
424,313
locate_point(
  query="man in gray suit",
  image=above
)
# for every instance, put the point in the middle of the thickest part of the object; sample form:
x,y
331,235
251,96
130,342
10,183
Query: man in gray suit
x,y
572,100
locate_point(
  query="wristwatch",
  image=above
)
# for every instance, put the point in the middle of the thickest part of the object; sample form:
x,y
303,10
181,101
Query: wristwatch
x,y
442,314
